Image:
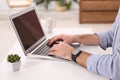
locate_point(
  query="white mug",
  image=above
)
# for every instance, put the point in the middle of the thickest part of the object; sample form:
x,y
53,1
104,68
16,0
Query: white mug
x,y
47,23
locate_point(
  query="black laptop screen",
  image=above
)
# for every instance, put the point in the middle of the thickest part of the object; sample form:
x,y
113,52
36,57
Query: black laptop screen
x,y
28,28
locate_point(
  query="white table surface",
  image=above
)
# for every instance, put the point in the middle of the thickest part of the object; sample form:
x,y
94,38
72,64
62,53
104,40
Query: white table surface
x,y
43,69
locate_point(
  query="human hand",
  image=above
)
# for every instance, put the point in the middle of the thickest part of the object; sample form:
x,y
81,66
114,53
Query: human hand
x,y
65,38
62,50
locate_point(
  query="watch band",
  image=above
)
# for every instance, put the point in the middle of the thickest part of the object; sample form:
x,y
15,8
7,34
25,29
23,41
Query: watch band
x,y
75,56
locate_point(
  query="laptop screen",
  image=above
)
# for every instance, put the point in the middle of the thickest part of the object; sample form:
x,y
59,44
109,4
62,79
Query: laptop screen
x,y
28,28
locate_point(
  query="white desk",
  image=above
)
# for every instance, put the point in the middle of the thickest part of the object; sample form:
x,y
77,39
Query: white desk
x,y
39,69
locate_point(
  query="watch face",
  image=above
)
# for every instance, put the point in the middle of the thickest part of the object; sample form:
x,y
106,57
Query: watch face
x,y
76,52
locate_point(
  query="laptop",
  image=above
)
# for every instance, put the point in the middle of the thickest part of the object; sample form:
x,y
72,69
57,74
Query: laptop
x,y
30,33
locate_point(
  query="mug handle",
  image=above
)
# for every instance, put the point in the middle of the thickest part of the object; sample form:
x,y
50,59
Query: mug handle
x,y
53,23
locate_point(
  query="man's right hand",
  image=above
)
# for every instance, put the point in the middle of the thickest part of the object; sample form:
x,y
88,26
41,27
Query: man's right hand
x,y
65,38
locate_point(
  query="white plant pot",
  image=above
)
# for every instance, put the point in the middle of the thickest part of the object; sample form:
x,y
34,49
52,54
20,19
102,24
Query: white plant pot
x,y
15,66
59,8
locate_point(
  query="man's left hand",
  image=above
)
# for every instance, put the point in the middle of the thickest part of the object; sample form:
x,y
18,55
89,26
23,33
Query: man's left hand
x,y
62,50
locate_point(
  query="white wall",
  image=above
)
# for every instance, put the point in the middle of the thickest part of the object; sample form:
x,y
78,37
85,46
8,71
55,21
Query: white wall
x,y
3,5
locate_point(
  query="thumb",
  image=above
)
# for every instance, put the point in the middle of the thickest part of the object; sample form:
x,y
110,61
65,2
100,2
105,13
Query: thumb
x,y
52,53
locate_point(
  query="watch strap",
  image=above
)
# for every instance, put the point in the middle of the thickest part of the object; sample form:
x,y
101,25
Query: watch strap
x,y
75,56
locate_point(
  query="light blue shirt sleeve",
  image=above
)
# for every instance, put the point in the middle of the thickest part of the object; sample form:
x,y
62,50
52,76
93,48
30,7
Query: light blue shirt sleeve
x,y
107,65
106,39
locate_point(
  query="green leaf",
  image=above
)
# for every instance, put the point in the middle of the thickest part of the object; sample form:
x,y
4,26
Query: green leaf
x,y
46,3
69,5
13,58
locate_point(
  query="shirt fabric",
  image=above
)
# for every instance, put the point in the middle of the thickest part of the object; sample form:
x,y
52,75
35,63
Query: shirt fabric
x,y
108,65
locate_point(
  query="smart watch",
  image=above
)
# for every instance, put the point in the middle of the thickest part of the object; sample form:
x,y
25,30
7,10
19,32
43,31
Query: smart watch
x,y
75,54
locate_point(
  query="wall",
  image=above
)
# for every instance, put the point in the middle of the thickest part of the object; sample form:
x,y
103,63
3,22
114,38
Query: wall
x,y
3,5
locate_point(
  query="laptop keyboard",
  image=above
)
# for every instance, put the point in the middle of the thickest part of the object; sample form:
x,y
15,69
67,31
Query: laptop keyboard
x,y
42,50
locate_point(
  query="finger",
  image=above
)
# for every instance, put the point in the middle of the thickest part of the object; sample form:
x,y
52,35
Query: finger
x,y
66,41
62,43
56,38
52,40
54,48
52,53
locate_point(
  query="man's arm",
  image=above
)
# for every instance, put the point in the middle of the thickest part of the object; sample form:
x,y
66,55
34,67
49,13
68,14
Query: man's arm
x,y
88,39
103,39
105,65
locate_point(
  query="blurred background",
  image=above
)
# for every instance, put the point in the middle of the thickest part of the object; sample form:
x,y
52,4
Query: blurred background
x,y
97,15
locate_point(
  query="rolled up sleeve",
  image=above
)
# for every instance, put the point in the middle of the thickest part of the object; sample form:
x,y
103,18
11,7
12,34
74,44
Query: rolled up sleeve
x,y
106,39
106,65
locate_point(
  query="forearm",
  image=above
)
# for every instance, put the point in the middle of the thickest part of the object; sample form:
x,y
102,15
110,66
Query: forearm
x,y
88,39
82,59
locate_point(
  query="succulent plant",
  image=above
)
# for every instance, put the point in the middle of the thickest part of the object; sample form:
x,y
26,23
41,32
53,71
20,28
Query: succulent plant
x,y
13,58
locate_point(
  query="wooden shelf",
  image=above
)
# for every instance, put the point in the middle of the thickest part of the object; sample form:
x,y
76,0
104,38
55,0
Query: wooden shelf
x,y
98,11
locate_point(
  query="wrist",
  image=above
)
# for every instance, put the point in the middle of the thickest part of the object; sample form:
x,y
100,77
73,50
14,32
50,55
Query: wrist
x,y
75,54
74,57
82,58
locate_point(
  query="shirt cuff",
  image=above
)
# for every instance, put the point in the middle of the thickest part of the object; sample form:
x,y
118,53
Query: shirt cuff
x,y
92,62
103,43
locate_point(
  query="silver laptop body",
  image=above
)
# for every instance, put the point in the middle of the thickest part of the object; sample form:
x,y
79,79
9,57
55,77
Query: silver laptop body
x,y
30,33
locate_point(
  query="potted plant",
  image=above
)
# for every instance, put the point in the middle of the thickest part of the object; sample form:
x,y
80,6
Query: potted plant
x,y
15,62
60,5
43,3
